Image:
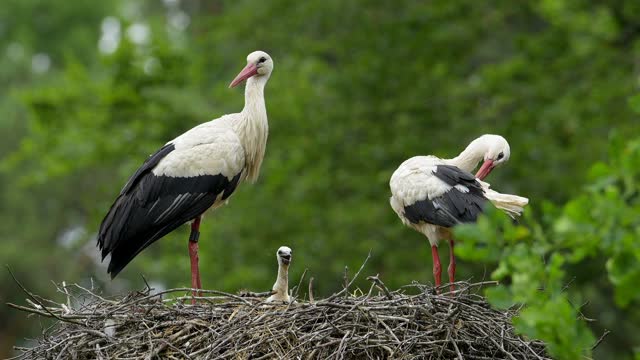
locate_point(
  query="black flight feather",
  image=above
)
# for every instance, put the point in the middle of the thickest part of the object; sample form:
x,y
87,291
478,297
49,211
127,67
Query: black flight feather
x,y
452,207
151,206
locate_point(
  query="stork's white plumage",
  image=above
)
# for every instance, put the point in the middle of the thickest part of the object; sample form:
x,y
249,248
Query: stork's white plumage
x,y
281,287
431,195
194,172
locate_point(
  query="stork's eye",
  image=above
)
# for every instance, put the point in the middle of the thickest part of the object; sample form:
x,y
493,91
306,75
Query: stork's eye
x,y
500,156
262,59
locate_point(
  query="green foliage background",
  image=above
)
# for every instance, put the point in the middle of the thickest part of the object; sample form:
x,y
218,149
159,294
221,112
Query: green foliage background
x,y
358,87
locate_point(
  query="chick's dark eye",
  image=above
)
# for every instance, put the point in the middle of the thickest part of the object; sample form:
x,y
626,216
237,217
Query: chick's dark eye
x,y
500,156
262,59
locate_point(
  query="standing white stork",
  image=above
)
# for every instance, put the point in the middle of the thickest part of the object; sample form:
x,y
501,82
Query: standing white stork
x,y
194,172
431,195
281,287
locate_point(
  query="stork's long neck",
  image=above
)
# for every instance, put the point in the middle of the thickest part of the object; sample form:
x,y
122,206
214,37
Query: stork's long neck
x,y
468,159
282,283
254,96
253,129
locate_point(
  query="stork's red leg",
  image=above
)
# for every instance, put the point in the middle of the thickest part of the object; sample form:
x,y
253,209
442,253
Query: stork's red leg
x,y
452,265
193,254
437,268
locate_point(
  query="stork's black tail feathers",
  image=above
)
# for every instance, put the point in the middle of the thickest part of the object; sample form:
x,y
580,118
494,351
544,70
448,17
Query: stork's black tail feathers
x,y
151,206
128,229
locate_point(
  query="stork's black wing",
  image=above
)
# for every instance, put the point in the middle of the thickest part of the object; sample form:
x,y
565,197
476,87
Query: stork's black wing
x,y
150,206
454,206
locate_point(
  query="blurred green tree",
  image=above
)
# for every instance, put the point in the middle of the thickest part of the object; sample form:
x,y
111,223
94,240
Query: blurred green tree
x,y
357,88
532,258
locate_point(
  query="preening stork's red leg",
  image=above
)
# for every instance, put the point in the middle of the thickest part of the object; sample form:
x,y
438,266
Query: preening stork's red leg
x,y
437,268
452,266
193,254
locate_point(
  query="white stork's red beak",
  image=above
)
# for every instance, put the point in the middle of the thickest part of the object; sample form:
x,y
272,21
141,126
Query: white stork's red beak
x,y
485,169
247,72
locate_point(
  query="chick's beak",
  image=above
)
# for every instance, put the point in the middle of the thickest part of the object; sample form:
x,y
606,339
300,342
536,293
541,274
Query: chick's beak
x,y
286,259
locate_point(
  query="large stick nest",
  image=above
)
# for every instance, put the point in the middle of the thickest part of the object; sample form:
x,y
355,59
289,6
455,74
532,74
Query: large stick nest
x,y
411,322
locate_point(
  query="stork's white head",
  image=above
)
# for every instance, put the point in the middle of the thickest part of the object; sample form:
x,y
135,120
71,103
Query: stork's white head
x,y
496,152
284,255
259,64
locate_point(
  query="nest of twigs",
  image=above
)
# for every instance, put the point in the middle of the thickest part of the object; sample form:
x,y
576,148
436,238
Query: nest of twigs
x,y
411,322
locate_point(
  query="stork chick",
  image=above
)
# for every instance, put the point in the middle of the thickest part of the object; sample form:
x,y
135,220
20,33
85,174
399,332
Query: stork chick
x,y
281,287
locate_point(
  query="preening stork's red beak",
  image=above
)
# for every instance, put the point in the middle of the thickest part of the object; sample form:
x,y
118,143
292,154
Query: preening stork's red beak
x,y
247,72
485,169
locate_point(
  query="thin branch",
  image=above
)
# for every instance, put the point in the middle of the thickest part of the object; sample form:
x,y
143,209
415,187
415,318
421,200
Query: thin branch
x,y
344,290
376,280
297,288
604,335
33,297
311,290
256,294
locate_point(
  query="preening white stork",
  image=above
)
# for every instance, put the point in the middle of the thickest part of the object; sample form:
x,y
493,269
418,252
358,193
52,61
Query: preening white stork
x,y
194,172
431,195
281,287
